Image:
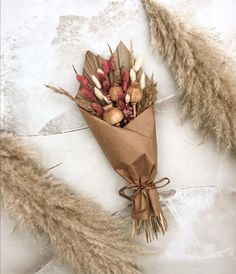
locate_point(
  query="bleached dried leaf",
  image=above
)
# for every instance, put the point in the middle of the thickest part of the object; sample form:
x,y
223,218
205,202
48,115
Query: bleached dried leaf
x,y
132,75
96,82
98,93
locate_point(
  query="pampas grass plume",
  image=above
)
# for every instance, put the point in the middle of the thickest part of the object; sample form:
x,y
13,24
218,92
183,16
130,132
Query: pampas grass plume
x,y
205,76
79,230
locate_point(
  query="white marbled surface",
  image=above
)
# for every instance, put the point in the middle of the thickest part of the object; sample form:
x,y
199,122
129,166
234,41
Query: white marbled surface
x,y
40,41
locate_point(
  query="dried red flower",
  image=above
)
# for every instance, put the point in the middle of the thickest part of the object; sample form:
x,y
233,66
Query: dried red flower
x,y
105,86
121,96
85,92
82,80
97,108
111,63
125,78
106,67
101,76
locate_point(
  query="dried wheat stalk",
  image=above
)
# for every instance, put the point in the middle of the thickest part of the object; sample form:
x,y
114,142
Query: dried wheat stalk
x,y
79,230
205,77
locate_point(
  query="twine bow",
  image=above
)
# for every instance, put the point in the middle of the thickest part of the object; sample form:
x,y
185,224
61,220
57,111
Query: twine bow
x,y
142,189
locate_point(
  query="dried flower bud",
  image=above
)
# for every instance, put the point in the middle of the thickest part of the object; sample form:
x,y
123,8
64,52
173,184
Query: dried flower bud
x,y
82,80
128,112
125,78
105,85
96,82
106,67
98,93
127,98
143,81
132,75
85,92
101,75
137,64
97,108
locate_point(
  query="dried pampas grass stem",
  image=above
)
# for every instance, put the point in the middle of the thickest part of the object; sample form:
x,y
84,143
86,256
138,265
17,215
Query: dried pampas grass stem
x,y
79,230
205,77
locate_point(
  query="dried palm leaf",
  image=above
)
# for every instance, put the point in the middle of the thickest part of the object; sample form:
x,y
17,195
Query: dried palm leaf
x,y
205,76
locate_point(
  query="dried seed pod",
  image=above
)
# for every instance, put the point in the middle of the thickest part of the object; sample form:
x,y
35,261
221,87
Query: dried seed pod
x,y
137,64
143,81
132,75
114,92
127,98
112,115
135,94
96,82
98,93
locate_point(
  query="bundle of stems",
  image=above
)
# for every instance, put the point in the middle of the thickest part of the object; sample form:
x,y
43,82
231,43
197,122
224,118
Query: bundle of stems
x,y
80,231
205,76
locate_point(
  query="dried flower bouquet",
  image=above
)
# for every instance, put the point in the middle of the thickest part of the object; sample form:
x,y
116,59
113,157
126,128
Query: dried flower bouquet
x,y
116,99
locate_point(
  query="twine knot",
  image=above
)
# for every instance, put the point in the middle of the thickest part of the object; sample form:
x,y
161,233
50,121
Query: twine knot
x,y
142,189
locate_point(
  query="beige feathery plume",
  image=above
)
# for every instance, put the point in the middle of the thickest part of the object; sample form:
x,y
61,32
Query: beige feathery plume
x,y
79,230
205,76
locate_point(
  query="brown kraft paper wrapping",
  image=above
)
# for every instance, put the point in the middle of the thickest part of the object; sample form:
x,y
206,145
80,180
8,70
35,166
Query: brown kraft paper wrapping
x,y
132,151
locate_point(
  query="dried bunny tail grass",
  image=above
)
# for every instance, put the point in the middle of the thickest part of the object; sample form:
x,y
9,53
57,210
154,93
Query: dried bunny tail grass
x,y
205,77
79,230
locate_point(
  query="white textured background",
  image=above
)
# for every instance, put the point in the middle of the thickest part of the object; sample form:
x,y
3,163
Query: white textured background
x,y
40,41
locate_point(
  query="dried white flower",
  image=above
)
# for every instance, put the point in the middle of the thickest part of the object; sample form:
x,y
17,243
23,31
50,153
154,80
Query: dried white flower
x,y
127,98
137,64
96,82
132,75
142,81
98,93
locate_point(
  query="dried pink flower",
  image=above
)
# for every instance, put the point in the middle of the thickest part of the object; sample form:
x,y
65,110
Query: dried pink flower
x,y
101,75
105,86
111,63
97,108
85,92
121,104
106,67
125,78
128,112
121,96
82,80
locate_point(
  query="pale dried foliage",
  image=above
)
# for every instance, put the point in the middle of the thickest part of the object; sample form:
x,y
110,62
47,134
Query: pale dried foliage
x,y
79,230
205,76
